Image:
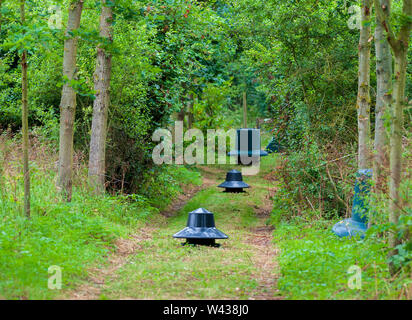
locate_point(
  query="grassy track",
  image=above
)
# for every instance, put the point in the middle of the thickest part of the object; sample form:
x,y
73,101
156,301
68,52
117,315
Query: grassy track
x,y
153,265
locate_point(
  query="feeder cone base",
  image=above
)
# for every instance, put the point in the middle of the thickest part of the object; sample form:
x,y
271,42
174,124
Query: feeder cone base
x,y
234,190
201,242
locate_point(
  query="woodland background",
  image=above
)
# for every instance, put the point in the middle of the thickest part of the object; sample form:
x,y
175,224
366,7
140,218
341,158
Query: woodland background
x,y
299,63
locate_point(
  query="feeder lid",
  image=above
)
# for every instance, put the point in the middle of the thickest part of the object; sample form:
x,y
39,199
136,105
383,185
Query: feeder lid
x,y
246,153
233,180
233,185
201,210
201,225
248,143
350,228
200,233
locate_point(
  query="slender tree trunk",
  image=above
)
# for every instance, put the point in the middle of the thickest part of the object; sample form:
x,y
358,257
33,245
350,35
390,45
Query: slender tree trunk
x,y
244,110
396,142
25,121
383,99
363,100
101,104
68,102
400,49
399,102
190,117
181,114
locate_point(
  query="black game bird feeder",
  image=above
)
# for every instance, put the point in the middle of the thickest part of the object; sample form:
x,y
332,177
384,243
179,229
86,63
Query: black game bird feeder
x,y
200,229
247,146
234,182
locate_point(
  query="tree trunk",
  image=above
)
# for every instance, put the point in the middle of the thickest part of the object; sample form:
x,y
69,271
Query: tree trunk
x,y
399,101
181,114
25,121
101,104
400,49
396,142
68,102
244,110
190,117
383,99
363,100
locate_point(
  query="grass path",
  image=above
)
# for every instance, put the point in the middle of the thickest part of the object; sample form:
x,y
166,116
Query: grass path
x,y
153,265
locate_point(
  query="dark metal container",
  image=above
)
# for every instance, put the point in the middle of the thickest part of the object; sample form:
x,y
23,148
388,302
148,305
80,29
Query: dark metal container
x,y
357,224
247,146
200,229
234,182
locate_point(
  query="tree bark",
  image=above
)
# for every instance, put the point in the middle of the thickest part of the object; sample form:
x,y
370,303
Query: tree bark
x,y
190,117
25,121
399,46
181,114
363,100
383,99
68,102
101,104
244,110
396,142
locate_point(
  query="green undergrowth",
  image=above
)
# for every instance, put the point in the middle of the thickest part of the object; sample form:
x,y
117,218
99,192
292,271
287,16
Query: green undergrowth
x,y
164,269
73,236
163,184
316,264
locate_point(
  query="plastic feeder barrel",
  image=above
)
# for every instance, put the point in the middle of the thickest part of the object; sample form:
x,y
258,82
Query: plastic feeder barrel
x,y
358,223
234,182
200,229
273,146
247,146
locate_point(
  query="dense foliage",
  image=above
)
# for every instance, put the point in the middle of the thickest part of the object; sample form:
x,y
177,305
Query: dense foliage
x,y
297,62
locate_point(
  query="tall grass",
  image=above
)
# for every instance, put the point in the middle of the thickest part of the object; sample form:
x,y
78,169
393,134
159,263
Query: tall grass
x,y
74,236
